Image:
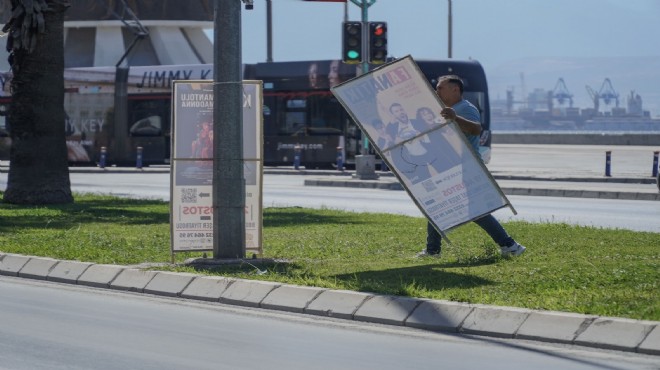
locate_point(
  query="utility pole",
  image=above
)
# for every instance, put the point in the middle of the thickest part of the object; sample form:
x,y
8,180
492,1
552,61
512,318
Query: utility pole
x,y
449,30
365,164
228,181
269,31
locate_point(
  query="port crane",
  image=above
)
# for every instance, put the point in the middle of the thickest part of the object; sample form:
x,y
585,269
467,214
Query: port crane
x,y
561,93
606,93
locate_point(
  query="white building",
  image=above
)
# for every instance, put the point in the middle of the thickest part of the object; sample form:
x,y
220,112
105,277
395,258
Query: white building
x,y
96,32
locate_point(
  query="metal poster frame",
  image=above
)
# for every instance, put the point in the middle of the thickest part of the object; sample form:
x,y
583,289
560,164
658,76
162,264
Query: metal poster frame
x,y
430,156
191,176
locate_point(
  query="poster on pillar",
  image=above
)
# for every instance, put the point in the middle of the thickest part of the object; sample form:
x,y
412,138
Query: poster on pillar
x,y
399,111
191,185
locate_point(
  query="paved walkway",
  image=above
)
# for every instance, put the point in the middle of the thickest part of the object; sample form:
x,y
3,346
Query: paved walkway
x,y
578,185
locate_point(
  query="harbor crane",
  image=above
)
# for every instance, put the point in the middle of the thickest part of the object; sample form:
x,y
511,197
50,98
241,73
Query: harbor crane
x,y
606,93
561,93
595,98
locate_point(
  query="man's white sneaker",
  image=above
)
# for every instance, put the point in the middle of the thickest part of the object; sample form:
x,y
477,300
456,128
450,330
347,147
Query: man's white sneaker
x,y
514,250
425,253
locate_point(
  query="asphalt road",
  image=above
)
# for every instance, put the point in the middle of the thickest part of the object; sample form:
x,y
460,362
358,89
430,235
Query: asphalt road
x,y
53,326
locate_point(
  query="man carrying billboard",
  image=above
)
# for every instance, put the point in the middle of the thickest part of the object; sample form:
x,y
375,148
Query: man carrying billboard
x,y
433,154
450,90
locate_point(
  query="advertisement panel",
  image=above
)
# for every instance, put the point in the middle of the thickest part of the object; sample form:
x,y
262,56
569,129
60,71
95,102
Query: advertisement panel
x,y
398,110
191,195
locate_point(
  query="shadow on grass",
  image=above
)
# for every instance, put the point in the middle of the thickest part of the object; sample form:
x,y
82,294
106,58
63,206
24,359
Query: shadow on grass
x,y
294,216
247,266
407,281
98,210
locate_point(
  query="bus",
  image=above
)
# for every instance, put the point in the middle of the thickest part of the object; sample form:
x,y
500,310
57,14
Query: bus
x,y
123,109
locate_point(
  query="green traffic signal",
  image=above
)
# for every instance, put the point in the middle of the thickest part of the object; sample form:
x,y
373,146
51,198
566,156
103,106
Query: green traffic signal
x,y
352,42
353,55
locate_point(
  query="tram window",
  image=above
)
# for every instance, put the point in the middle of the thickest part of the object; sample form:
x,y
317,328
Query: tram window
x,y
296,103
150,126
149,117
295,122
3,120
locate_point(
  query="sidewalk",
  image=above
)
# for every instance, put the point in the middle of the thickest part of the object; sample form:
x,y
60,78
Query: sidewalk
x,y
539,183
542,182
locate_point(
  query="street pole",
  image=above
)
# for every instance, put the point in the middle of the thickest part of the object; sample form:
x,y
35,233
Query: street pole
x,y
269,31
228,182
449,31
365,164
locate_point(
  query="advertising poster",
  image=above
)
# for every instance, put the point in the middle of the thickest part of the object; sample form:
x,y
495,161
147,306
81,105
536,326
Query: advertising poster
x,y
192,166
400,113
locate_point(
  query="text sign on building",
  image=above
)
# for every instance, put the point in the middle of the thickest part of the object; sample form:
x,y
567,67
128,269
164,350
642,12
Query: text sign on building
x,y
191,189
400,113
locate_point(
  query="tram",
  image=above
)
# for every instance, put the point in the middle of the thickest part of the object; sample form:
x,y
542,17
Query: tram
x,y
123,109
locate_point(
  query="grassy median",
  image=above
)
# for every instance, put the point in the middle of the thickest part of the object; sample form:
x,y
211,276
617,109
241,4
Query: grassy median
x,y
566,268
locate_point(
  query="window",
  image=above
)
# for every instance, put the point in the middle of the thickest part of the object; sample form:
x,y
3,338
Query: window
x,y
148,117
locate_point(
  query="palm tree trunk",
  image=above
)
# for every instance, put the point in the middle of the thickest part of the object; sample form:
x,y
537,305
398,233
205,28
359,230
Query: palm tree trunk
x,y
38,172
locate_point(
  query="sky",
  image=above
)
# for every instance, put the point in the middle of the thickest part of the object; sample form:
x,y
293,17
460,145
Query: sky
x,y
498,33
491,31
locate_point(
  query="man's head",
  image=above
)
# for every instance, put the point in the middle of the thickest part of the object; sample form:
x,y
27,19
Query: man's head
x,y
399,113
450,89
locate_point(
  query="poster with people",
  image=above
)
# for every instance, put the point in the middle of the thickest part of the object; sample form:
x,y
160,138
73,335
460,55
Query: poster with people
x,y
399,111
191,194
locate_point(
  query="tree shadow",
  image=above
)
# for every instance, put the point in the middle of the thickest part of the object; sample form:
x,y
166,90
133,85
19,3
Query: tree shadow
x,y
103,210
296,216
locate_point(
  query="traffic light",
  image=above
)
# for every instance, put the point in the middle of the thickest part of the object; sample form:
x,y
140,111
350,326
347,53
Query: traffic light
x,y
377,42
352,42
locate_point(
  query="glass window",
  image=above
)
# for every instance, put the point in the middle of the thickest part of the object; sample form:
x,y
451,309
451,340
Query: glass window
x,y
149,117
4,108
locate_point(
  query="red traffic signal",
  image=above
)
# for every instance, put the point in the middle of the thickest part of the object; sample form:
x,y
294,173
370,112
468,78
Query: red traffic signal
x,y
377,42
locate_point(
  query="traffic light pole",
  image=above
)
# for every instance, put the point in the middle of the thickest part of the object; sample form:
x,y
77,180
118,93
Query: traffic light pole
x,y
365,164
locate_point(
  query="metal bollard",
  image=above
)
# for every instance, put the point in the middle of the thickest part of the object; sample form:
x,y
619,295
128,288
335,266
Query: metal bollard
x,y
608,163
340,159
296,157
104,152
654,172
138,160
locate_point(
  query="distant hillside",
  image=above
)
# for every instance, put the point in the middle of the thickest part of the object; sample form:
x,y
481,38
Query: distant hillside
x,y
641,74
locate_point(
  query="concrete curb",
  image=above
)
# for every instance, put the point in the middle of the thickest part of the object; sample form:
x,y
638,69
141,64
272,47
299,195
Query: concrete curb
x,y
208,288
11,264
169,284
290,298
68,271
37,268
341,304
388,310
132,280
99,276
433,315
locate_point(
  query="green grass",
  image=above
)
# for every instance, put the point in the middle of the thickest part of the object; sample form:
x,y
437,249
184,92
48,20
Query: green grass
x,y
566,268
